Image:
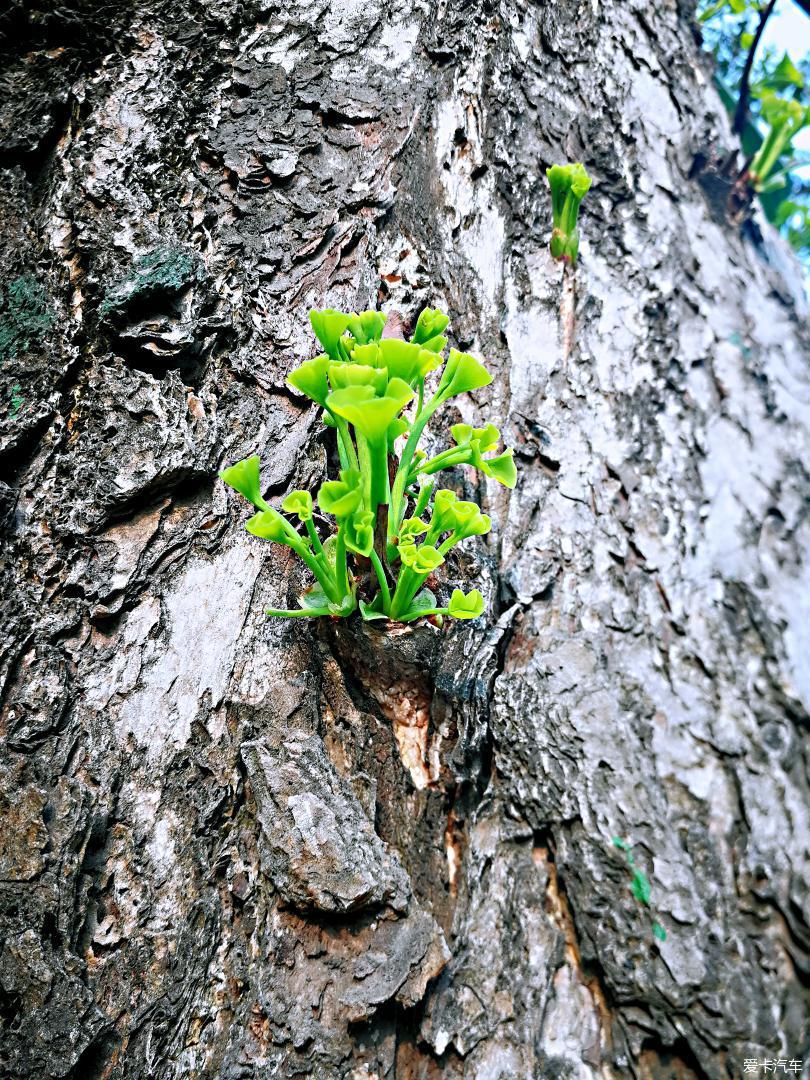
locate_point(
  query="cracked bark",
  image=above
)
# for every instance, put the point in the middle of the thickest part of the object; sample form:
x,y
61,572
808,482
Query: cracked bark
x,y
237,848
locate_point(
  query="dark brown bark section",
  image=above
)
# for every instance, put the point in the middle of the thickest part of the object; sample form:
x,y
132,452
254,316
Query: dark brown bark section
x,y
236,848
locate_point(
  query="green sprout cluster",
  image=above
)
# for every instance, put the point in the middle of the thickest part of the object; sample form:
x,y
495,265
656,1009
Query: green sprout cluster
x,y
569,185
389,528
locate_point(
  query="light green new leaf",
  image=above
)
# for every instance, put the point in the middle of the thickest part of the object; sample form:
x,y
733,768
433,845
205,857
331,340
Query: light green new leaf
x,y
569,184
367,326
430,323
442,519
341,497
310,378
407,361
359,532
371,415
395,429
466,607
462,372
501,468
422,560
329,326
486,437
270,525
300,503
469,522
411,527
244,478
342,376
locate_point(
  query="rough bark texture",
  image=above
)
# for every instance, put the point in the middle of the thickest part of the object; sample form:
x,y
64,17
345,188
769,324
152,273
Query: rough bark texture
x,y
242,848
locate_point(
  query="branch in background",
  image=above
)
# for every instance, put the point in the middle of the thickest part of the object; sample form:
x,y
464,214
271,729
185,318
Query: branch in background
x,y
804,5
742,105
741,113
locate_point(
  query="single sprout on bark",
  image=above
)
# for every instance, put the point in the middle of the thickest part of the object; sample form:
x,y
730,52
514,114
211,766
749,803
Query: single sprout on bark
x,y
390,528
569,184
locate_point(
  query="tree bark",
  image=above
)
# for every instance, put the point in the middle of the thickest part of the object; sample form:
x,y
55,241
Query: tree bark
x,y
236,847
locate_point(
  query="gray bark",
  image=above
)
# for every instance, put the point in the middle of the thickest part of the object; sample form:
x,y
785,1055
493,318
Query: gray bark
x,y
235,847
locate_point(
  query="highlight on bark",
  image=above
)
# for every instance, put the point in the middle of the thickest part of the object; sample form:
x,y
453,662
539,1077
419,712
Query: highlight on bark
x,y
569,185
388,535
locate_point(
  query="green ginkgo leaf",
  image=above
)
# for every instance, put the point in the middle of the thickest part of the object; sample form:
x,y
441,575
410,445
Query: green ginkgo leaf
x,y
411,527
442,519
300,503
431,323
487,437
270,525
359,532
341,497
310,378
367,326
371,415
501,468
244,478
342,376
329,326
466,607
422,560
462,372
469,521
407,361
395,429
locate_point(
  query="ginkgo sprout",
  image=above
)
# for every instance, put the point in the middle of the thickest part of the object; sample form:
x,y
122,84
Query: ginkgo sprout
x,y
391,528
569,185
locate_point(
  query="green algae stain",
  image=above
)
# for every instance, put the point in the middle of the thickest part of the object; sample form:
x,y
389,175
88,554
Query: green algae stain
x,y
25,316
167,270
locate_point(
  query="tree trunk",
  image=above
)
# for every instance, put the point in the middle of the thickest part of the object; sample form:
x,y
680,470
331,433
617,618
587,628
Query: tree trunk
x,y
241,847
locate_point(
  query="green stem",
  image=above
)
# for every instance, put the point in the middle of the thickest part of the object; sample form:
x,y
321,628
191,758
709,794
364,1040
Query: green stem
x,y
364,453
424,498
378,452
380,572
426,611
456,455
341,571
348,446
325,579
408,586
451,541
313,535
397,511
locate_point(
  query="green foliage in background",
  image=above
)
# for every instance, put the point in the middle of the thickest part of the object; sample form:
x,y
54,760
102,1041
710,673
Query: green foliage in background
x,y
387,527
778,109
